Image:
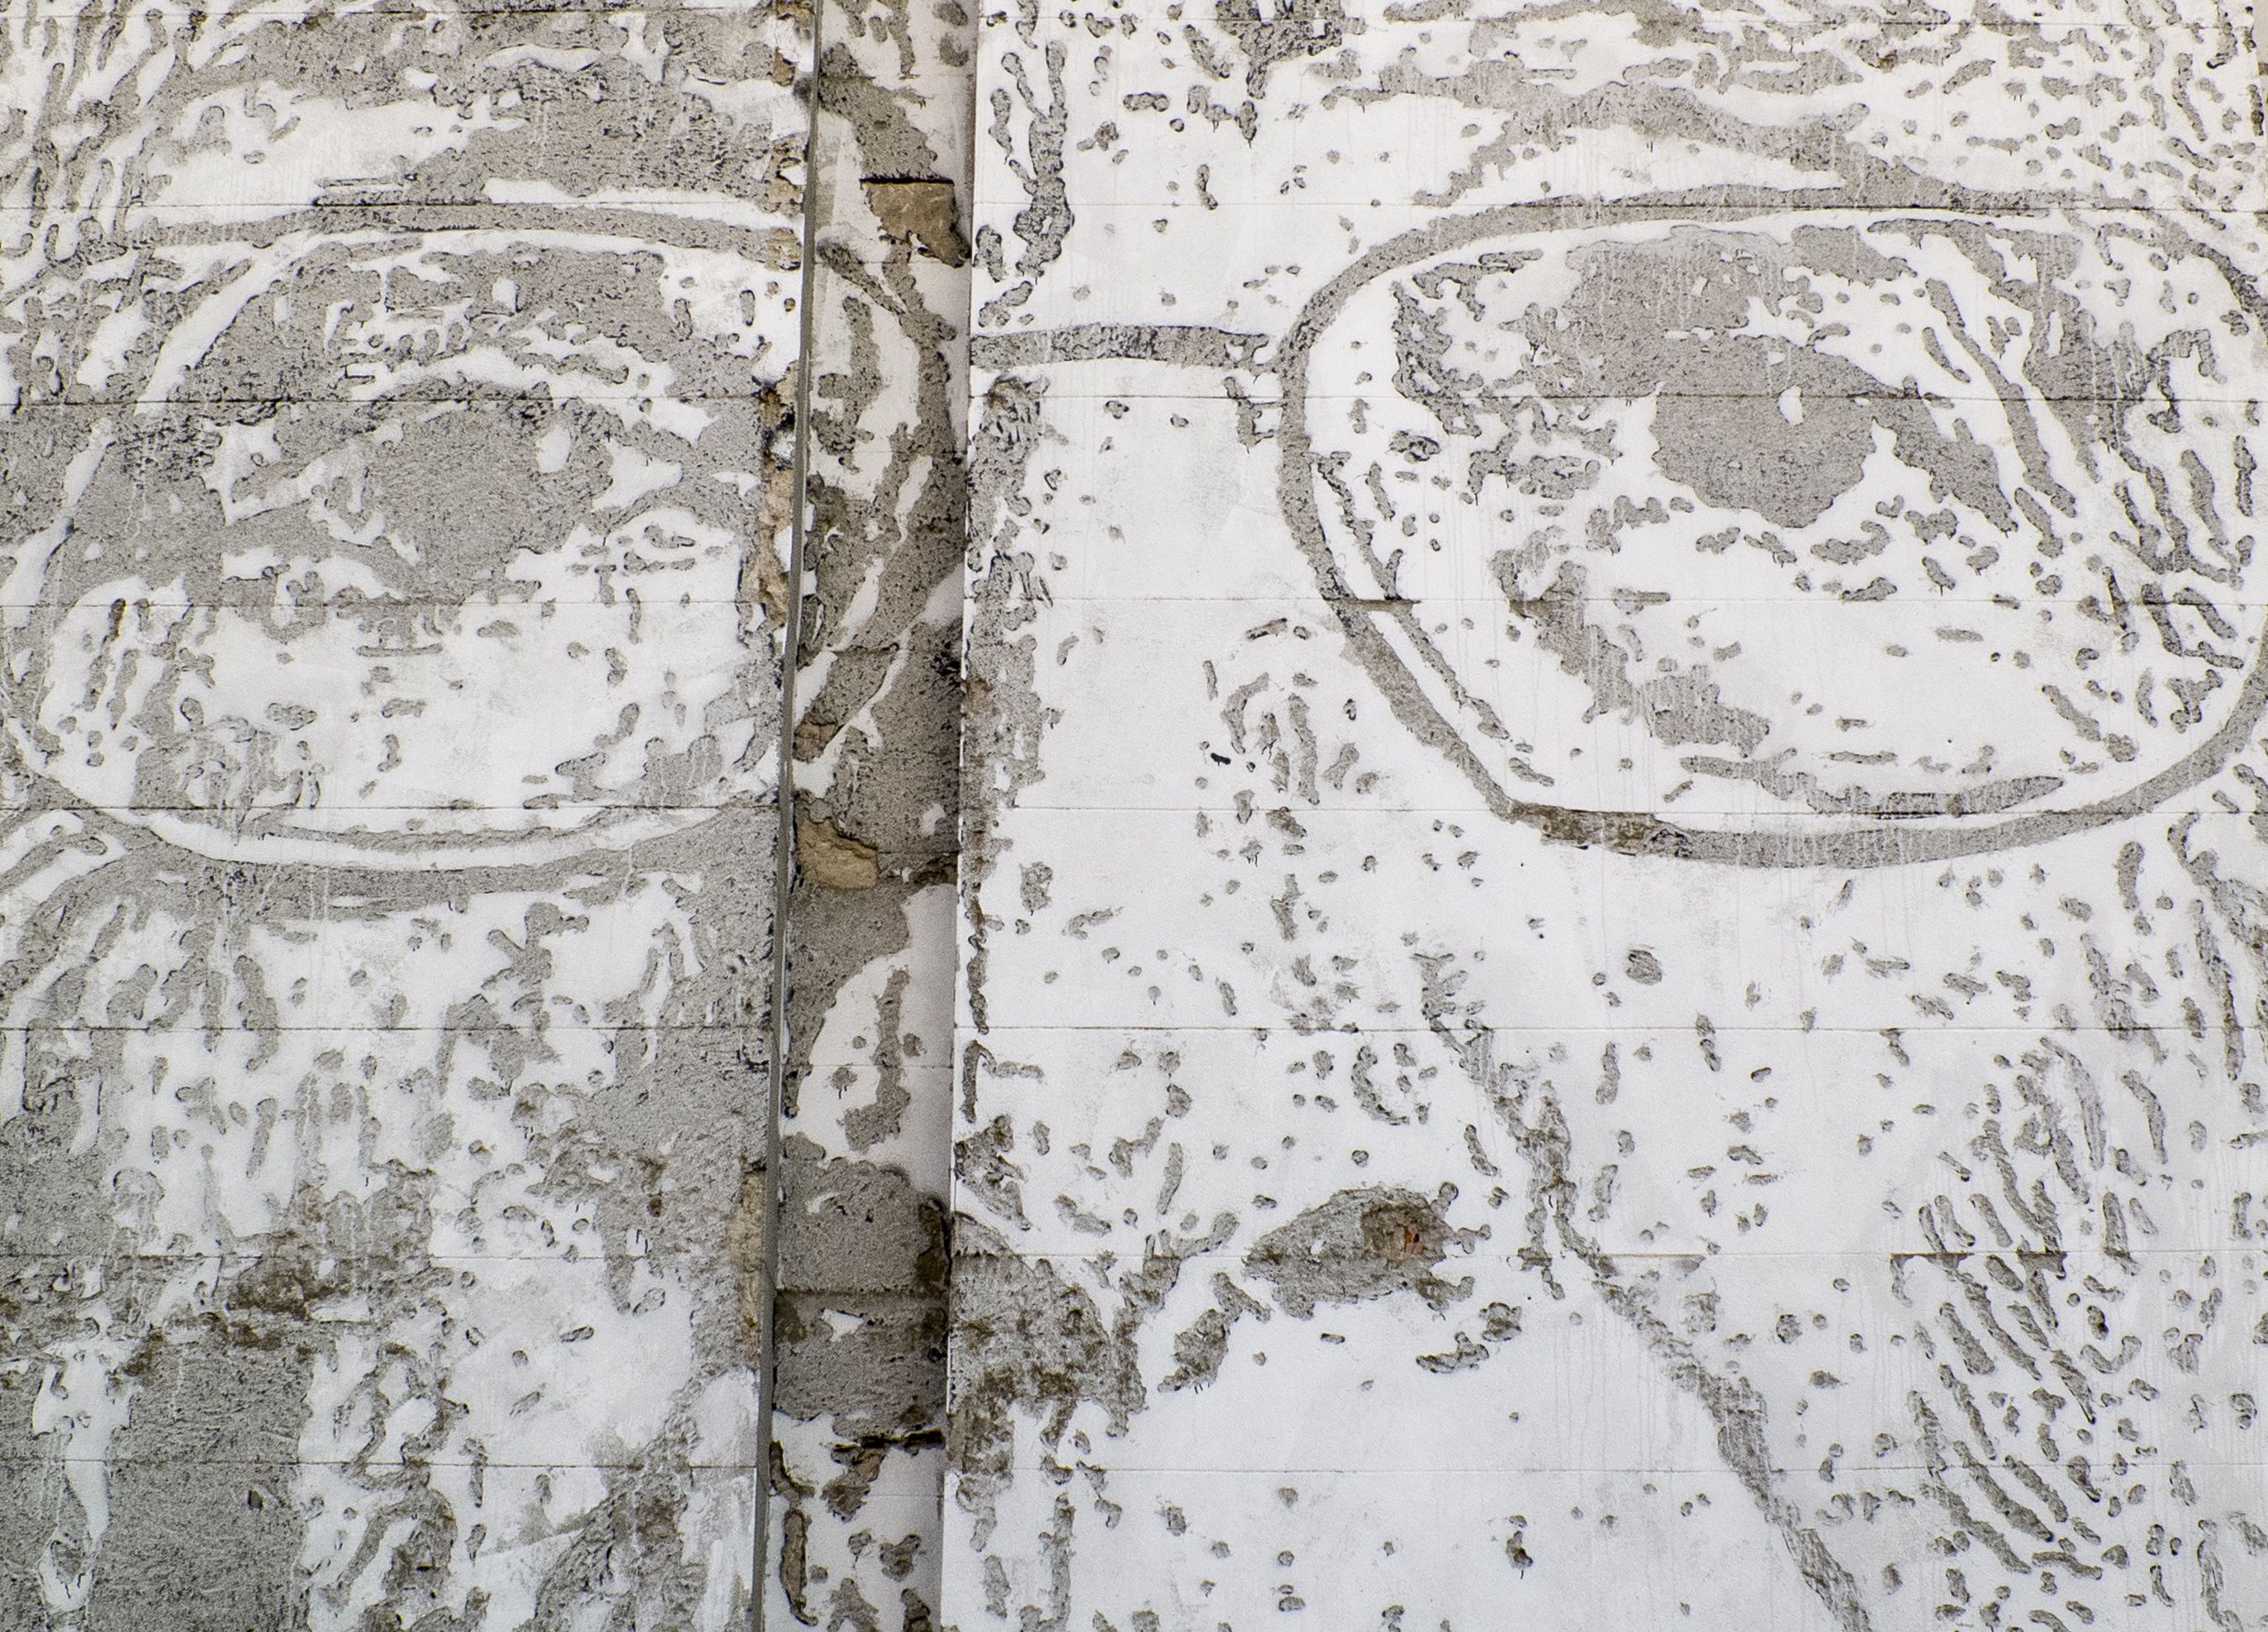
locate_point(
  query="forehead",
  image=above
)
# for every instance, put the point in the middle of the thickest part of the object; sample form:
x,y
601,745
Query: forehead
x,y
175,152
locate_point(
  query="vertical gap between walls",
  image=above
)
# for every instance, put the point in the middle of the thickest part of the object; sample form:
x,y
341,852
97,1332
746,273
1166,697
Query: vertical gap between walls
x,y
784,841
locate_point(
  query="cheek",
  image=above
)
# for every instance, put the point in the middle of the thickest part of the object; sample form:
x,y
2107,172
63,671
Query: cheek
x,y
502,718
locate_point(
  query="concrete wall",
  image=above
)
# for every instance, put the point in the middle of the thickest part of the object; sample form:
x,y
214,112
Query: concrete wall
x,y
881,816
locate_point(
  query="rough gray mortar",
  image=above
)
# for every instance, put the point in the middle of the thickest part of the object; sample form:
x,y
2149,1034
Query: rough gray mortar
x,y
1037,164
863,1240
206,1417
1027,1341
1360,1244
1004,720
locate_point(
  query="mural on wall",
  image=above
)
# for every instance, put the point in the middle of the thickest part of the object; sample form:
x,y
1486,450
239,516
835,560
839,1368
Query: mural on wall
x,y
1524,816
1612,888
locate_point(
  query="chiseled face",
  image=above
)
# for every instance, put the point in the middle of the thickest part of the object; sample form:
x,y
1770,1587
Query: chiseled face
x,y
1830,515
348,524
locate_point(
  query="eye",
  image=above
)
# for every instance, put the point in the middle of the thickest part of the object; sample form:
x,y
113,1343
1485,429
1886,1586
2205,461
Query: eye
x,y
382,496
501,402
1685,457
400,473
